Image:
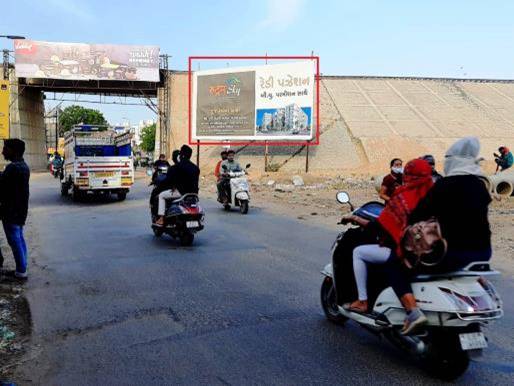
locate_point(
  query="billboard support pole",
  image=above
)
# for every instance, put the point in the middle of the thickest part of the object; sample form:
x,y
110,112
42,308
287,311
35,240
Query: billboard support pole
x,y
6,64
307,158
198,153
265,156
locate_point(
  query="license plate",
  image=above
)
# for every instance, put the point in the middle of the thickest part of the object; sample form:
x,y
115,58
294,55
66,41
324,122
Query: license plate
x,y
104,174
472,341
192,224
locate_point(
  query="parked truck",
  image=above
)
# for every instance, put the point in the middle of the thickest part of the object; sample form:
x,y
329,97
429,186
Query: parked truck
x,y
97,159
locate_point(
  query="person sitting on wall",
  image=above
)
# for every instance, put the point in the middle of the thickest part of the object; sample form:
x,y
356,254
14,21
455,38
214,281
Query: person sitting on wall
x,y
504,160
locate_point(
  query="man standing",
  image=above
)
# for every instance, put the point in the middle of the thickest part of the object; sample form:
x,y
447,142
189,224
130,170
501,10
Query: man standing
x,y
14,201
431,161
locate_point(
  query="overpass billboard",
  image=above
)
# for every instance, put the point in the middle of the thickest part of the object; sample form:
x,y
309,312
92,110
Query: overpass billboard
x,y
257,103
80,61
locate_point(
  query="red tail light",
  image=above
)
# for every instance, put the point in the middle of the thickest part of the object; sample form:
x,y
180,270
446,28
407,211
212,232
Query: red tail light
x,y
83,174
125,172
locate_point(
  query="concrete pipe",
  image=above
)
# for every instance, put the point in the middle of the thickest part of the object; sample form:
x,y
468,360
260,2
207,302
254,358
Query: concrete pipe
x,y
502,184
487,182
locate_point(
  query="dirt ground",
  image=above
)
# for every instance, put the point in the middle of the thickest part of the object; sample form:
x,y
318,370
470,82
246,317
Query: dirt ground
x,y
315,202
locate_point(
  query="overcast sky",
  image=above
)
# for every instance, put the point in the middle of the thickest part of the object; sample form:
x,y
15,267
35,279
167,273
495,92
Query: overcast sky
x,y
452,38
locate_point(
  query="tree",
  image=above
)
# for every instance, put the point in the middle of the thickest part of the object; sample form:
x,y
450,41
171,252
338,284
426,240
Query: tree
x,y
148,138
74,115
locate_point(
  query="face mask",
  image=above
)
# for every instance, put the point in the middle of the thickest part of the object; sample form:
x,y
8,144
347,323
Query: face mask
x,y
397,170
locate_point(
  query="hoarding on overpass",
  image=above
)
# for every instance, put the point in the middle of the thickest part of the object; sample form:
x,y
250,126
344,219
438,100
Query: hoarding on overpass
x,y
79,61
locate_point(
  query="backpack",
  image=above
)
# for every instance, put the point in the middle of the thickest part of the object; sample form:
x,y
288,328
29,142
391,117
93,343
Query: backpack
x,y
423,243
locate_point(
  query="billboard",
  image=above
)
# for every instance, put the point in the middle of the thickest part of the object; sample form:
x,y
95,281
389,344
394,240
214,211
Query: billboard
x,y
266,103
4,109
80,61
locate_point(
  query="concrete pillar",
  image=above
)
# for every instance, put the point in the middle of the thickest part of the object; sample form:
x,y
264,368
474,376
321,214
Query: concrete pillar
x,y
27,123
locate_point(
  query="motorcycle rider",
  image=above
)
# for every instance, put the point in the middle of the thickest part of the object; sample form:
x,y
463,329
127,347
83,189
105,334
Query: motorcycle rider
x,y
459,202
431,161
182,178
217,169
393,180
229,165
389,226
162,161
57,162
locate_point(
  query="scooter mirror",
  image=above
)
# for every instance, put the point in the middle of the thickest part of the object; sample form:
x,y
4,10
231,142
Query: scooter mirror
x,y
248,165
149,172
224,167
343,197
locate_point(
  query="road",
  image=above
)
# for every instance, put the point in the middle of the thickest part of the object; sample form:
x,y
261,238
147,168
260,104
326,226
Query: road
x,y
112,305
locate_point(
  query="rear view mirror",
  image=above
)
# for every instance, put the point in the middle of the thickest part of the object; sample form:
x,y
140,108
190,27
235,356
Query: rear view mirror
x,y
248,165
343,197
149,172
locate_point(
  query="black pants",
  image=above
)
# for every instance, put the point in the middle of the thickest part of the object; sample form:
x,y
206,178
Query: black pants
x,y
399,276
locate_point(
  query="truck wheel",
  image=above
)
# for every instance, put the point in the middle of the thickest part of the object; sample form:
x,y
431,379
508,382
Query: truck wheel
x,y
64,189
76,195
243,206
122,196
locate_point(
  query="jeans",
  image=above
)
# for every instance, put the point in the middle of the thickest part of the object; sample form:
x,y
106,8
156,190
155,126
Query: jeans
x,y
369,253
399,276
14,235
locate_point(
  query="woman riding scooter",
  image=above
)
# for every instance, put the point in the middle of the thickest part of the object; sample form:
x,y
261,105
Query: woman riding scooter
x,y
459,202
390,226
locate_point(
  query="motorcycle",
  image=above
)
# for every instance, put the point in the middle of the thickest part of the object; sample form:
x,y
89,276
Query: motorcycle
x,y
183,218
239,194
457,304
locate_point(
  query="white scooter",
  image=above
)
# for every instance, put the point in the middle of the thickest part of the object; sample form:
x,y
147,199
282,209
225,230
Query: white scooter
x,y
239,190
456,304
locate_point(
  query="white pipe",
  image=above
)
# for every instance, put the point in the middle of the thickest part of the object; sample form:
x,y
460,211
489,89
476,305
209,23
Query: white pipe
x,y
502,184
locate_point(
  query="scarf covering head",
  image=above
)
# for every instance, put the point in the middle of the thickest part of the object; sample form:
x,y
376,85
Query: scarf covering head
x,y
462,158
417,181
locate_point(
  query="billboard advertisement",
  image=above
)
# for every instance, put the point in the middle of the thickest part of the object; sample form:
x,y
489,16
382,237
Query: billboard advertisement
x,y
4,109
79,61
267,103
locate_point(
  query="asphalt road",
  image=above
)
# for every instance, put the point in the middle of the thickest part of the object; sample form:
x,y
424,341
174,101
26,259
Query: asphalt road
x,y
112,305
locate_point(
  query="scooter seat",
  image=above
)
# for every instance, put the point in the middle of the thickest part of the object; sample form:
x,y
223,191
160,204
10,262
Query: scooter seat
x,y
480,268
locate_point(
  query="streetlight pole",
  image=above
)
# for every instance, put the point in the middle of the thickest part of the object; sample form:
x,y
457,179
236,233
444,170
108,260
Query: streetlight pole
x,y
57,129
6,54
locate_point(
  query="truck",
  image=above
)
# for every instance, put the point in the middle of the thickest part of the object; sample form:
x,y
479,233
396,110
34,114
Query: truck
x,y
97,159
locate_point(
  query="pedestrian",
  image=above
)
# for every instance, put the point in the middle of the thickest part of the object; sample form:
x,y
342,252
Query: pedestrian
x,y
504,160
14,202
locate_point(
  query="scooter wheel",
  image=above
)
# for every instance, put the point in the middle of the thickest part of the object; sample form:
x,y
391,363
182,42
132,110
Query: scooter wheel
x,y
446,360
329,303
187,239
226,207
243,207
157,232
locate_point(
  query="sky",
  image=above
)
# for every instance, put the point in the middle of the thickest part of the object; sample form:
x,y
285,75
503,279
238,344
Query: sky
x,y
452,38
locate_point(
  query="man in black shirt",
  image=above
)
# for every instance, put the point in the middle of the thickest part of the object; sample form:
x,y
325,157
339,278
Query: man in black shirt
x,y
183,177
14,201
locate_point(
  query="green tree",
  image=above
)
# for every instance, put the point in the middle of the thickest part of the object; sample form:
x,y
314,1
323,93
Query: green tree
x,y
73,115
148,138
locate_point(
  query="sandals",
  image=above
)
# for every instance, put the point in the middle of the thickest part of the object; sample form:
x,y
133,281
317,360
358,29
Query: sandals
x,y
358,306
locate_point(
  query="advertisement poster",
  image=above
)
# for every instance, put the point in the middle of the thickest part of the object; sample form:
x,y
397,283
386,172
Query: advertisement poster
x,y
79,61
4,109
269,102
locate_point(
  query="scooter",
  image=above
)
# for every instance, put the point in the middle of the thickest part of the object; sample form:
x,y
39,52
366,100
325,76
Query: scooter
x,y
239,190
183,218
457,305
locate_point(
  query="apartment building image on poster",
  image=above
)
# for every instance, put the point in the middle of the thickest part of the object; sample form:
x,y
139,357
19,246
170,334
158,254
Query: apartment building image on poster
x,y
291,119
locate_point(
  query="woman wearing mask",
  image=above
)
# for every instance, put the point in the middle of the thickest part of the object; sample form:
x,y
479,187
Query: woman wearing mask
x,y
459,202
390,226
393,180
